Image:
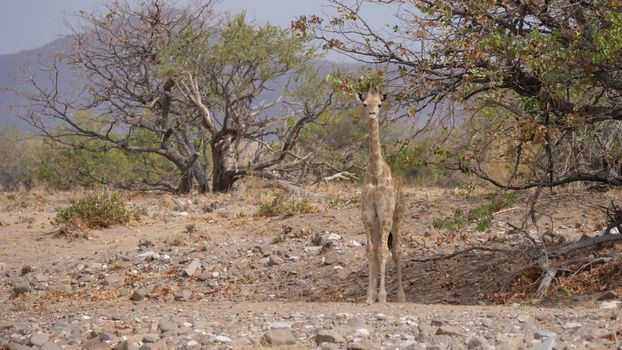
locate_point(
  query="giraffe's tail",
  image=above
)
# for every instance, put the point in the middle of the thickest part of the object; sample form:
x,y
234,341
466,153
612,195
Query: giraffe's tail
x,y
390,241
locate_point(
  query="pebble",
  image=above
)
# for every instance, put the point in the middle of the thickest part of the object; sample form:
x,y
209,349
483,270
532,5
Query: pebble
x,y
151,338
51,346
39,339
613,304
329,336
192,267
275,260
278,337
222,339
167,326
362,345
112,279
21,287
183,295
571,325
540,334
137,296
449,330
476,342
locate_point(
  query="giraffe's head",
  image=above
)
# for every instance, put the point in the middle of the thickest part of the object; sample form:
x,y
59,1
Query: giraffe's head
x,y
372,100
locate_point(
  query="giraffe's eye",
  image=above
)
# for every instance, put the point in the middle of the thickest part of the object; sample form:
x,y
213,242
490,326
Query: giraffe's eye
x,y
379,105
365,104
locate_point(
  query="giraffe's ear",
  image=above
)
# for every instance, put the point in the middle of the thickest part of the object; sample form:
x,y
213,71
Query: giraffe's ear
x,y
359,96
384,97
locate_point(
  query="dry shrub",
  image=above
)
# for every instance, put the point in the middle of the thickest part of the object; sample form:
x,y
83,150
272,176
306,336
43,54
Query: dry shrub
x,y
100,208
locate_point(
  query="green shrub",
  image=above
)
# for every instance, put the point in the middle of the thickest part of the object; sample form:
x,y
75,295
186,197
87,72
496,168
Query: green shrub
x,y
280,205
101,208
480,216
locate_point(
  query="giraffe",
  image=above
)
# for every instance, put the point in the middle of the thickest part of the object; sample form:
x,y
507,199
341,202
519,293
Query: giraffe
x,y
381,206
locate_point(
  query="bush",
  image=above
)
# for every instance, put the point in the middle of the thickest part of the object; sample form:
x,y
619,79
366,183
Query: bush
x,y
283,206
480,216
101,208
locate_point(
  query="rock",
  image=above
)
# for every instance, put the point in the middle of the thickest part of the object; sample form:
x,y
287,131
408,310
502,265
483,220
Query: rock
x,y
149,255
16,346
354,243
331,260
275,260
107,337
329,336
329,346
333,237
436,323
222,339
540,334
39,339
192,267
279,325
137,296
126,345
39,277
183,295
51,346
4,325
204,276
608,295
21,287
362,345
477,342
111,279
449,330
548,344
362,333
193,344
151,338
278,337
523,318
265,250
613,304
167,326
571,325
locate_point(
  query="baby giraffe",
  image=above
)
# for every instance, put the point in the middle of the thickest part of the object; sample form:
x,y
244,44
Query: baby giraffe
x,y
381,207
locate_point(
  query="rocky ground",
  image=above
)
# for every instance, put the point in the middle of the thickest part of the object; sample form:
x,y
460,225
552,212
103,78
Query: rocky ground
x,y
204,272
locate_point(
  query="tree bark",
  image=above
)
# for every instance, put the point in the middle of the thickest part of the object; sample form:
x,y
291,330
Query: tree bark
x,y
222,179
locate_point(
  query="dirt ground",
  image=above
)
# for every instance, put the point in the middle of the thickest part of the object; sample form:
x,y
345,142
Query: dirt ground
x,y
307,268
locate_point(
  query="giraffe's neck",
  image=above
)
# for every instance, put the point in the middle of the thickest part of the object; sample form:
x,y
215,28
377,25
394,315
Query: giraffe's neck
x,y
374,164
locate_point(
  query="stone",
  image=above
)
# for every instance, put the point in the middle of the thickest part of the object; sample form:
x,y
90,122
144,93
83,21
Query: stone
x,y
192,267
107,337
21,287
39,339
222,339
571,325
362,345
193,344
126,345
278,337
608,295
51,346
264,250
333,237
137,296
329,336
39,277
548,344
5,325
111,279
204,276
279,325
329,346
149,255
540,334
183,295
449,330
167,326
354,243
362,333
613,304
436,323
477,342
16,346
275,260
523,318
151,338
331,260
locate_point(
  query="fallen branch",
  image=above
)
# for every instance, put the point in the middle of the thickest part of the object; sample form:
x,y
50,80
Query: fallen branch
x,y
571,247
344,175
460,252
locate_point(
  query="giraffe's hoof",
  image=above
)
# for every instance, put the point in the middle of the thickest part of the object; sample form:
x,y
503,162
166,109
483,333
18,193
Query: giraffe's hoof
x,y
401,298
369,301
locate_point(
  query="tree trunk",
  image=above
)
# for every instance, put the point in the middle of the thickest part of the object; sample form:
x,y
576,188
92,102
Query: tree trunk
x,y
185,182
201,176
222,180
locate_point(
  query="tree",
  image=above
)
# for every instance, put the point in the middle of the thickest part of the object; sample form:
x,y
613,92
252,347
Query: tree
x,y
548,70
172,83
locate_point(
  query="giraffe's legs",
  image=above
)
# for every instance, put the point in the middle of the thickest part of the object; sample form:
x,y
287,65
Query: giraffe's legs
x,y
381,258
372,292
395,252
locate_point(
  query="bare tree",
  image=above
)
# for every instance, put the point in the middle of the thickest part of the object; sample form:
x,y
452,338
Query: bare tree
x,y
548,71
178,84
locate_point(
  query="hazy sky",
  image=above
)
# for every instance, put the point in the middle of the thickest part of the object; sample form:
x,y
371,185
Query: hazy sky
x,y
26,24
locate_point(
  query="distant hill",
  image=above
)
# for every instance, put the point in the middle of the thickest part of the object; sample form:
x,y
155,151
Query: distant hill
x,y
12,67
